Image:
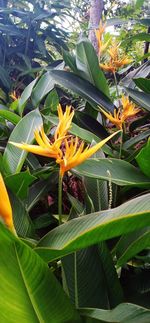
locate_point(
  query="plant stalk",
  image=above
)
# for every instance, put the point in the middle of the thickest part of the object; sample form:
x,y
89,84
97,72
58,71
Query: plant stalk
x,y
115,79
60,199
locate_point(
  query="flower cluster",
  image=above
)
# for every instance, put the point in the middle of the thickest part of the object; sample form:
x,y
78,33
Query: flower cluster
x,y
99,34
116,59
67,150
120,116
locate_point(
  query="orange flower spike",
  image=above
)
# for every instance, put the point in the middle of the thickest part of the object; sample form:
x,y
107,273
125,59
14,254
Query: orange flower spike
x,y
5,206
129,109
117,119
14,95
99,32
75,154
108,67
44,147
64,122
114,52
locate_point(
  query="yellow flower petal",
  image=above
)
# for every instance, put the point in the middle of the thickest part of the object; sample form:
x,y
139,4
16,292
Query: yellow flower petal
x,y
74,157
5,206
35,149
117,119
64,122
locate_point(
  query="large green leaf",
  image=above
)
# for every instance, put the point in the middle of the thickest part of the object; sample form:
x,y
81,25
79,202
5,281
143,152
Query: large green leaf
x,y
143,84
19,183
14,157
10,116
134,140
123,313
143,159
91,278
118,171
88,65
25,96
139,37
43,87
131,244
82,87
95,227
140,97
29,291
22,221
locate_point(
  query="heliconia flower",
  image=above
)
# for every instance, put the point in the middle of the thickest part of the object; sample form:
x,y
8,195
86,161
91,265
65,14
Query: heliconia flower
x,y
108,67
99,32
74,153
129,108
45,147
64,121
116,60
5,206
120,116
117,119
14,95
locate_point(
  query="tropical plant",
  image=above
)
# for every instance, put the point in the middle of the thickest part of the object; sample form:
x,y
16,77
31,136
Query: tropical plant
x,y
75,233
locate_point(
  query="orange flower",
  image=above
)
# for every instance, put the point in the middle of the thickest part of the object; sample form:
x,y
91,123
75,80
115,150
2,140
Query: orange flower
x,y
75,154
45,147
117,119
14,95
116,60
120,116
5,206
99,33
109,67
129,109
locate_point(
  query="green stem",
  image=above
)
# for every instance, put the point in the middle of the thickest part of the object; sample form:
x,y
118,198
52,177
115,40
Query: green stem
x,y
60,199
115,79
121,143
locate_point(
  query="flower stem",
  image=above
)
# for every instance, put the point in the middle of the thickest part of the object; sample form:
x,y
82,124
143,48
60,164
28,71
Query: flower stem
x,y
115,79
60,199
121,143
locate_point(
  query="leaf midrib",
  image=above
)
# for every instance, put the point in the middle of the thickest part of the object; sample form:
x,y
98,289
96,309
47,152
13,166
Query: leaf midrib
x,y
34,305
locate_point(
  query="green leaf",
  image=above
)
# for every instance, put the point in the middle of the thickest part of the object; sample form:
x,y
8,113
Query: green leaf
x,y
139,37
81,87
4,76
88,65
143,159
123,313
95,227
89,123
131,142
43,87
19,183
39,189
140,97
22,221
70,61
91,278
131,244
10,116
24,298
118,171
25,96
139,4
143,84
14,157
